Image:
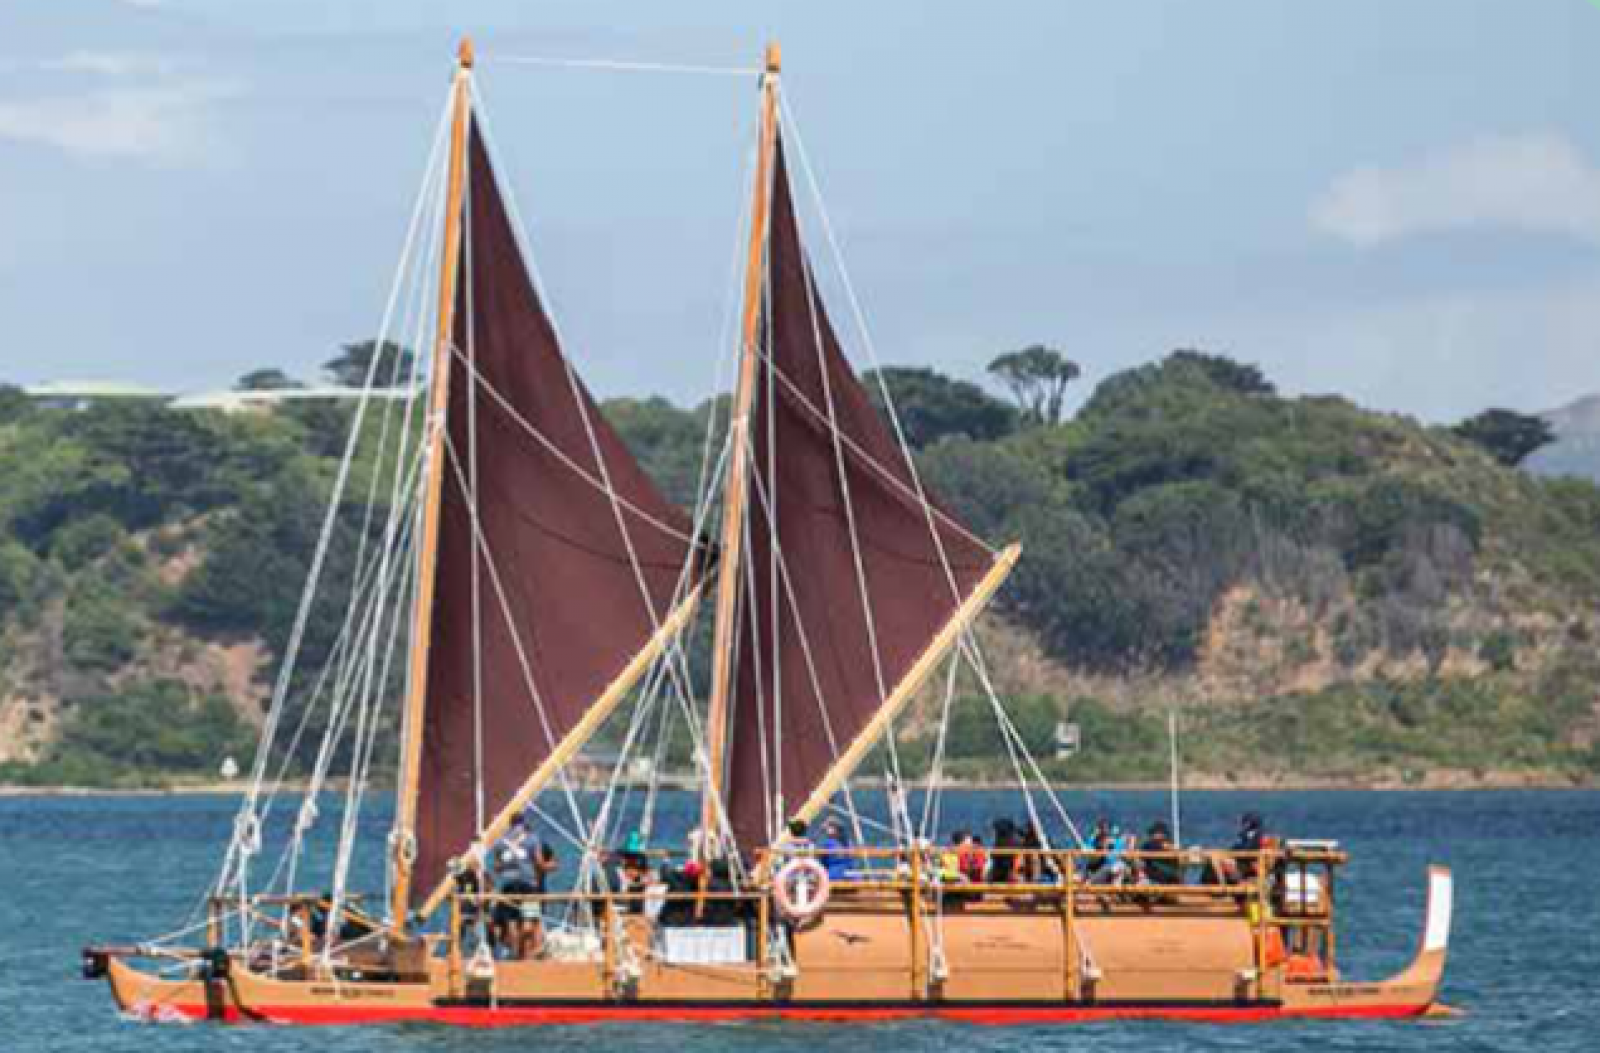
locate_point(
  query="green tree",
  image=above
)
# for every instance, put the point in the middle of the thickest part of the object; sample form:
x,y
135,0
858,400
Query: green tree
x,y
1037,378
14,403
266,380
1509,436
932,407
669,443
1180,382
1241,378
395,366
19,573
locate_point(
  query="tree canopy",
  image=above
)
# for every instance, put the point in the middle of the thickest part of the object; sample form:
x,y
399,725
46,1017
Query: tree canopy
x,y
266,380
1186,510
1037,378
932,407
1509,436
396,365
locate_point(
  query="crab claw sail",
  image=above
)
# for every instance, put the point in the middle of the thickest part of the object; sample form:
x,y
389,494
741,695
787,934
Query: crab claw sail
x,y
854,574
558,563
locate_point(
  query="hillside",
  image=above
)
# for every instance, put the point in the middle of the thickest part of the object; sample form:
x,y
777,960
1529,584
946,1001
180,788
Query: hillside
x,y
1326,594
1576,450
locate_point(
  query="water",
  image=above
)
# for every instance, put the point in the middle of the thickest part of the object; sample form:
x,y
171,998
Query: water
x,y
1525,961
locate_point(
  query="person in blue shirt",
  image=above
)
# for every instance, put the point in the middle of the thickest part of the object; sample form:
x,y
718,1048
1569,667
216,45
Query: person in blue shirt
x,y
835,862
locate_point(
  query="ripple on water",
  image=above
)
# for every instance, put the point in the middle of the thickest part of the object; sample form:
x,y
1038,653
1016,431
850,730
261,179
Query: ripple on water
x,y
1525,965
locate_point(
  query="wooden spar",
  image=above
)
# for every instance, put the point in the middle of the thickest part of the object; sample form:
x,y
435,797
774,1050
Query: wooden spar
x,y
428,554
925,664
581,733
735,493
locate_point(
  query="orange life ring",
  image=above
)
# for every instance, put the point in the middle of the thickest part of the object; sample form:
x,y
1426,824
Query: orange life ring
x,y
800,890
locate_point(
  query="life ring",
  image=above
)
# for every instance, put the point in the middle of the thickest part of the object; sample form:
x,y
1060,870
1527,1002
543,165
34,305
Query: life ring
x,y
800,890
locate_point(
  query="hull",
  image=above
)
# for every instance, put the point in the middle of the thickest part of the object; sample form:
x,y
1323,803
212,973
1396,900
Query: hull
x,y
997,1015
853,968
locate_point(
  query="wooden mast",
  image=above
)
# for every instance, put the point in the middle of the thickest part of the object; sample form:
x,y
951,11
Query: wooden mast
x,y
735,495
404,843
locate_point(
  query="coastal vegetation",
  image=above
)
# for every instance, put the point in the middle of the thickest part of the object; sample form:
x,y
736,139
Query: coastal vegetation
x,y
1321,592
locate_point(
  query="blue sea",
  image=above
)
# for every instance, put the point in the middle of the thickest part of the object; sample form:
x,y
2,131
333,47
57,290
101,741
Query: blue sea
x,y
1525,962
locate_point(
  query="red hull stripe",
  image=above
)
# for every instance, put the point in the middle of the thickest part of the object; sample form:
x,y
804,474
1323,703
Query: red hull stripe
x,y
511,1016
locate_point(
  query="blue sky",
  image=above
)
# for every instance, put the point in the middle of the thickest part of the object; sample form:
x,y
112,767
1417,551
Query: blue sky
x,y
1399,202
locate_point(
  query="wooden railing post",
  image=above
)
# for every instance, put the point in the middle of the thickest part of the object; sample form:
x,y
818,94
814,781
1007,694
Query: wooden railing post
x,y
1069,924
453,953
764,986
1261,924
919,971
608,942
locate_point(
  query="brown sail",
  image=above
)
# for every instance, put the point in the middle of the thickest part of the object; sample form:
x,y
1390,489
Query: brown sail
x,y
821,642
553,594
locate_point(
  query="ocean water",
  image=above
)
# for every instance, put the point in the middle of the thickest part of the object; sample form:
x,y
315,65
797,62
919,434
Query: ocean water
x,y
1525,961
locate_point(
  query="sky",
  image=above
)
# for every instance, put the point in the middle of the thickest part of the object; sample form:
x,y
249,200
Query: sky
x,y
1397,202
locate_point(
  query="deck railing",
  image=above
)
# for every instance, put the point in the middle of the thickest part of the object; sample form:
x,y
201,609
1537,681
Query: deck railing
x,y
1255,883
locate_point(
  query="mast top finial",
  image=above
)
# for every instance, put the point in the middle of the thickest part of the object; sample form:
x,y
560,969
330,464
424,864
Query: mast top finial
x,y
774,57
465,53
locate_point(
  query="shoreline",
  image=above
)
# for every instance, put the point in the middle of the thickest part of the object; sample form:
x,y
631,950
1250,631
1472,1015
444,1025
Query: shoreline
x,y
1502,782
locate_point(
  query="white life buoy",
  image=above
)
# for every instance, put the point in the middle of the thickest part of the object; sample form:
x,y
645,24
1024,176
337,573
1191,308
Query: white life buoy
x,y
800,889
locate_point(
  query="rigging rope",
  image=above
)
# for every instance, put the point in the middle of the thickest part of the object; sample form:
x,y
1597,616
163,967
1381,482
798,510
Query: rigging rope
x,y
968,646
621,65
235,860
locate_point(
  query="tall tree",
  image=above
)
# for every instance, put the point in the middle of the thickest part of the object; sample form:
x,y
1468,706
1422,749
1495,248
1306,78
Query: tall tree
x,y
932,406
266,380
396,364
1508,435
1037,378
14,403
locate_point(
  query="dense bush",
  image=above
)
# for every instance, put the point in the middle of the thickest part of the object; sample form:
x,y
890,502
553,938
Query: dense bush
x,y
142,731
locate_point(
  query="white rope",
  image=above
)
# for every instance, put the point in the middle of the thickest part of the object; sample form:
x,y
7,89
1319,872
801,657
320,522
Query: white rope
x,y
621,65
555,451
931,803
365,745
617,502
859,316
235,859
575,390
399,541
853,529
513,630
805,648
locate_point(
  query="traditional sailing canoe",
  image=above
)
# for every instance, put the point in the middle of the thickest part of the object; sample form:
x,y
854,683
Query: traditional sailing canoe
x,y
547,585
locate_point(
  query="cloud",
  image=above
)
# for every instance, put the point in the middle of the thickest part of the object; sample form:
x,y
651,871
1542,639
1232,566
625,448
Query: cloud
x,y
1535,183
1439,355
107,63
161,123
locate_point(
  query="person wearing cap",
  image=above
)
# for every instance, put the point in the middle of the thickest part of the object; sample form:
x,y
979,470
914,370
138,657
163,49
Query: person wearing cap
x,y
796,844
831,852
1100,841
630,874
1251,832
1160,870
